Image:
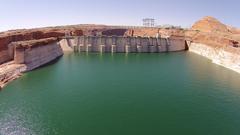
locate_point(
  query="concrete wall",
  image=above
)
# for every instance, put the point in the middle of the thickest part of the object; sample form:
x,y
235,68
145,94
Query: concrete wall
x,y
177,44
122,44
38,56
65,45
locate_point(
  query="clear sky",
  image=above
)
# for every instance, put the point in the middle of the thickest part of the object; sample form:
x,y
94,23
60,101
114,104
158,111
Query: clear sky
x,y
38,13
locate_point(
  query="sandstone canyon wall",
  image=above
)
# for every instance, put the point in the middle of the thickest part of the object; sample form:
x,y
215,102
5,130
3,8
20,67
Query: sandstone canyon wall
x,y
215,41
28,55
36,56
221,56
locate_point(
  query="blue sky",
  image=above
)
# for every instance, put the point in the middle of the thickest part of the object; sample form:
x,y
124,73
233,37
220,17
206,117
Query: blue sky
x,y
38,13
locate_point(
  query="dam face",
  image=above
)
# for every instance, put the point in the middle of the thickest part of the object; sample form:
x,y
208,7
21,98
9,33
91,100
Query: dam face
x,y
121,44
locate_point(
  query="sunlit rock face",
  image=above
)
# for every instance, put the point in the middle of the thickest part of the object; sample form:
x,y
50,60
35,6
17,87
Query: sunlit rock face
x,y
221,56
210,24
29,55
216,41
35,53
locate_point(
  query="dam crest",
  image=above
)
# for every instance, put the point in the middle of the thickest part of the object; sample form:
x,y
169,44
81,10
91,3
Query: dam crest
x,y
122,44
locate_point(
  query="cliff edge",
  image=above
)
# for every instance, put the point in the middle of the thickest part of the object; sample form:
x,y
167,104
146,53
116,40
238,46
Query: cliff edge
x,y
218,42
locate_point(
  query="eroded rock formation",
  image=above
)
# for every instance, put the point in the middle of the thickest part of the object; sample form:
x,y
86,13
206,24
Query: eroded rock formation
x,y
216,41
28,55
35,53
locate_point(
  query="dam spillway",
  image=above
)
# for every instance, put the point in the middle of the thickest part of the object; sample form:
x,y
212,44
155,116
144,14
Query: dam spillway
x,y
122,44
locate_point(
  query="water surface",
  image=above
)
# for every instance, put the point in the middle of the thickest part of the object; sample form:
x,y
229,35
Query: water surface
x,y
119,94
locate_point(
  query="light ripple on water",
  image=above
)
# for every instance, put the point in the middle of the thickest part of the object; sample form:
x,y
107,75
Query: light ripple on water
x,y
92,94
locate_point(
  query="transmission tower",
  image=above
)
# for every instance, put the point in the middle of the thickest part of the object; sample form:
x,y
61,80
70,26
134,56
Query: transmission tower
x,y
148,22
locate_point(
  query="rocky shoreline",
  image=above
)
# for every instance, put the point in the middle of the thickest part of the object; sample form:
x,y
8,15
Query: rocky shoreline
x,y
220,56
28,55
9,72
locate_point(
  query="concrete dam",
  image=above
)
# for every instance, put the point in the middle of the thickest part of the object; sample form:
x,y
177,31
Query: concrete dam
x,y
29,55
122,44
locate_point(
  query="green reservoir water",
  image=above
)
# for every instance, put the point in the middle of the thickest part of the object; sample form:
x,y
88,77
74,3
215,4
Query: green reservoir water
x,y
119,94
